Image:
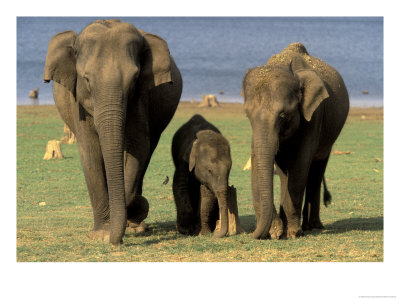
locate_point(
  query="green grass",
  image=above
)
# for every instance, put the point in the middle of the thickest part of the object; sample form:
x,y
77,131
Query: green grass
x,y
58,231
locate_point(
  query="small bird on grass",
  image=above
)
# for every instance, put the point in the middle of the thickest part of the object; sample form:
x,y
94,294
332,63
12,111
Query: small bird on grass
x,y
166,180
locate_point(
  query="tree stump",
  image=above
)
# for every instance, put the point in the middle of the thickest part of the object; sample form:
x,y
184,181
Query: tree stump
x,y
209,101
53,150
34,94
234,226
69,137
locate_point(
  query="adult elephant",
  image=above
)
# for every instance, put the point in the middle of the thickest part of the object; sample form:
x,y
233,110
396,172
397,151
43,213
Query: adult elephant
x,y
117,88
297,105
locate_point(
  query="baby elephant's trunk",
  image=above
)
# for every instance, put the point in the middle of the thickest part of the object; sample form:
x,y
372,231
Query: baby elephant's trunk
x,y
222,197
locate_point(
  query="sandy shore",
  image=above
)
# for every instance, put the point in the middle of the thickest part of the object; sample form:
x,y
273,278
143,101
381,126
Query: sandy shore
x,y
187,107
371,113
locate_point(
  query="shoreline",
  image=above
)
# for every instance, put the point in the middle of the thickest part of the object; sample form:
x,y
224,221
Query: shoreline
x,y
38,102
370,112
192,102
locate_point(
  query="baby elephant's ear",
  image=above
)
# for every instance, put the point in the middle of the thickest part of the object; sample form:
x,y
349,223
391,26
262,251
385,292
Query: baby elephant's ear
x,y
192,157
313,91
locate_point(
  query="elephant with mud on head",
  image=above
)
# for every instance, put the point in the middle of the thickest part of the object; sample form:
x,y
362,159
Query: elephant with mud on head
x,y
202,194
297,105
117,88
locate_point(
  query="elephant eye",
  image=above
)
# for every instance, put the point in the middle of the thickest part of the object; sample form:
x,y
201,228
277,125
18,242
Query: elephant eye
x,y
87,82
282,115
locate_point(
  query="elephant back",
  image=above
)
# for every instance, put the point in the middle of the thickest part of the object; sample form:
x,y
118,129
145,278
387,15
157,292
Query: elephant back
x,y
295,57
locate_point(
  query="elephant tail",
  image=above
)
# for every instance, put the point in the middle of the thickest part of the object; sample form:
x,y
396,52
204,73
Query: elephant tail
x,y
327,194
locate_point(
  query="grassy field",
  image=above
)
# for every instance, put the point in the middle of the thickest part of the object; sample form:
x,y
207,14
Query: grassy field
x,y
57,231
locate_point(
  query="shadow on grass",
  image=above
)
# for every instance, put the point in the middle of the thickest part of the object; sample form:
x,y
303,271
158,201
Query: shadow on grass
x,y
161,231
351,224
166,231
363,224
248,222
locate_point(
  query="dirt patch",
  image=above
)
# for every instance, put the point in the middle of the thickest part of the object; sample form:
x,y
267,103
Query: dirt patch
x,y
187,107
370,113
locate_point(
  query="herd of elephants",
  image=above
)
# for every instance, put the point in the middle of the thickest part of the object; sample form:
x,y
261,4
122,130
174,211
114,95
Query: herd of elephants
x,y
117,88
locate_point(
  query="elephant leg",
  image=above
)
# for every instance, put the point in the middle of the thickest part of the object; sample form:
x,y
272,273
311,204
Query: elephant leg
x,y
311,208
136,161
292,189
283,182
137,157
154,138
186,216
93,168
207,202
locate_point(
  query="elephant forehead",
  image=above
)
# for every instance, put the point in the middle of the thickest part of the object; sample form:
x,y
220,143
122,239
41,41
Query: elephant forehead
x,y
215,149
269,75
270,82
208,150
109,27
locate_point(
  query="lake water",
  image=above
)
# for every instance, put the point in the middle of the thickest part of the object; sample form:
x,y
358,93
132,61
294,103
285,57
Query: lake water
x,y
213,53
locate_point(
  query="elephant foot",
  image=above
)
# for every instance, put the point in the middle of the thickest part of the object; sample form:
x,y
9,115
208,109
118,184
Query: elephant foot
x,y
185,223
102,234
305,226
132,227
205,230
276,229
138,209
313,225
316,225
295,232
186,229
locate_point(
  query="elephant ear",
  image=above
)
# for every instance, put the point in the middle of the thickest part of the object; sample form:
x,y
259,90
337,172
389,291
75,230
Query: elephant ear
x,y
312,87
192,156
156,61
244,77
60,60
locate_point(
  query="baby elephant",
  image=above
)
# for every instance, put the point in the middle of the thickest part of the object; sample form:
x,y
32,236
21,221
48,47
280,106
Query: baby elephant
x,y
201,190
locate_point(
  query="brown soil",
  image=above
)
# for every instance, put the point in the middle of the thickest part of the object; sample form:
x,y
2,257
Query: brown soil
x,y
369,113
186,107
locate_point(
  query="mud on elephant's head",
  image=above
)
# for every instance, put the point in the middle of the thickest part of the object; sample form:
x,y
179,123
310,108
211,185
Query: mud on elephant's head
x,y
280,95
210,158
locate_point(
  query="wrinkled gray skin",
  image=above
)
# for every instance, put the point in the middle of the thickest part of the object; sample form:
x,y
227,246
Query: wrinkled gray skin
x,y
297,106
202,164
117,88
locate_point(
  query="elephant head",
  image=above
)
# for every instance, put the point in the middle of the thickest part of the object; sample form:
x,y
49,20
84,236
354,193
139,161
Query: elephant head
x,y
278,98
107,65
211,161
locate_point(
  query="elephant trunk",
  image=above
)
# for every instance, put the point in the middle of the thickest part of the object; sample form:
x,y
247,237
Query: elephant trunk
x,y
222,197
109,119
264,150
